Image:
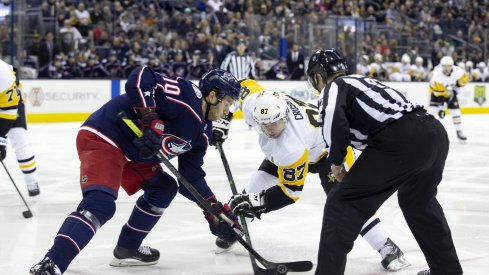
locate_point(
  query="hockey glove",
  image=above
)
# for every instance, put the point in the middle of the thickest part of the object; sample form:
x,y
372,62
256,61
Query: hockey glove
x,y
223,229
251,205
150,143
3,148
220,129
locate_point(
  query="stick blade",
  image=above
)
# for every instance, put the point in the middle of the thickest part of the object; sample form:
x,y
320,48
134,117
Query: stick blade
x,y
300,266
27,214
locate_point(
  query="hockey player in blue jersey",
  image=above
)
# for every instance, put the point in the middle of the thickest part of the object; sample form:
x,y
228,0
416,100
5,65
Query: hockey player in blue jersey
x,y
175,117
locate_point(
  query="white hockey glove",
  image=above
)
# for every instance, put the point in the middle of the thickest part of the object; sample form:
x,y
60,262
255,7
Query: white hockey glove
x,y
251,205
220,129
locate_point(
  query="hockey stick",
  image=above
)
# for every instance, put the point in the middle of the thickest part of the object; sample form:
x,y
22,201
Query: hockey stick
x,y
257,270
279,268
28,213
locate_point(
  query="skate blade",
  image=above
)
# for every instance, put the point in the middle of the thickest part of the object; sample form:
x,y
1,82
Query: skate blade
x,y
398,264
220,250
129,262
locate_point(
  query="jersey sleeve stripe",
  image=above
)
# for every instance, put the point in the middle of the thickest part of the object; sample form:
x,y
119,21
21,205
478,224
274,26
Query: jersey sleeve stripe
x,y
138,86
329,113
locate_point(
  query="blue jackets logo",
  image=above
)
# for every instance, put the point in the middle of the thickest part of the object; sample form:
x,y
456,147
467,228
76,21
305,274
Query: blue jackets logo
x,y
173,145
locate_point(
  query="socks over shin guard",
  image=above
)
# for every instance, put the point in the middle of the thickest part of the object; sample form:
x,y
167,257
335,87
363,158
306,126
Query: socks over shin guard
x,y
143,218
374,233
72,237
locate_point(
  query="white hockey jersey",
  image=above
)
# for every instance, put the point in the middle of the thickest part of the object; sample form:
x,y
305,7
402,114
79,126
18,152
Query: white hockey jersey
x,y
10,96
299,144
443,85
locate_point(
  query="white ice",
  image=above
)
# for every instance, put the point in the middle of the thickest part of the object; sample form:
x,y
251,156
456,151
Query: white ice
x,y
182,234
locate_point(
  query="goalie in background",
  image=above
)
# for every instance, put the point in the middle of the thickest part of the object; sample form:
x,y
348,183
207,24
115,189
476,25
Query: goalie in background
x,y
13,125
445,85
290,137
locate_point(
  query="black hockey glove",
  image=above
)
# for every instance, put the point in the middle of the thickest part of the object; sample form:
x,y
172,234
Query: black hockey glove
x,y
3,148
220,129
251,205
223,229
150,143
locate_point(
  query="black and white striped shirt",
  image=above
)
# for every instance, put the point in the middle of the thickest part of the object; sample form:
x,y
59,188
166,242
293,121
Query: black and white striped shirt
x,y
354,107
241,66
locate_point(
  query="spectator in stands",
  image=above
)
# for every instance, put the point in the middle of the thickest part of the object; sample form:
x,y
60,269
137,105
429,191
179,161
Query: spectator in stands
x,y
71,69
164,66
295,63
179,66
113,66
27,60
278,71
94,69
53,70
221,48
240,64
198,67
84,21
47,50
70,36
130,64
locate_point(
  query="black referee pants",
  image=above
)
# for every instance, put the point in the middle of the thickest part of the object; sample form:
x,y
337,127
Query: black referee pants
x,y
409,156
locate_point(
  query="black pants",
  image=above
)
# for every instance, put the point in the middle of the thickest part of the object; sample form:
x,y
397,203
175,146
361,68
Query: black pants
x,y
409,156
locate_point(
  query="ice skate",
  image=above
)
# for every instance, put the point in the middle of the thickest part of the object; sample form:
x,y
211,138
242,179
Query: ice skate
x,y
223,245
144,255
461,137
392,256
33,189
45,267
424,272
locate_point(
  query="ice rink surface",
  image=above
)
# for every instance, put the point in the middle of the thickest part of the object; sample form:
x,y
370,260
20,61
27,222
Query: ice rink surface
x,y
182,234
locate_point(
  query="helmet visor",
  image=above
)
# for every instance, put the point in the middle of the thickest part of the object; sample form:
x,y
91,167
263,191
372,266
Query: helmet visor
x,y
273,130
312,85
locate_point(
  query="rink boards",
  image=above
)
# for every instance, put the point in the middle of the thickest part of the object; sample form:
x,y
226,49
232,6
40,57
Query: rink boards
x,y
75,100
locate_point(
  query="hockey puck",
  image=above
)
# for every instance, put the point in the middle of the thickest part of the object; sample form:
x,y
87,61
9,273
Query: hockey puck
x,y
27,214
282,269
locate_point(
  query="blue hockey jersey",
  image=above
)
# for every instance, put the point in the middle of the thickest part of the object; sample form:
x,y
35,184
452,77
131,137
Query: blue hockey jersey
x,y
178,103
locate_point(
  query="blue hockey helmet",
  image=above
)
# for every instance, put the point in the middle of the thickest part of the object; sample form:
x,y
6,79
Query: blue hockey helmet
x,y
223,82
326,63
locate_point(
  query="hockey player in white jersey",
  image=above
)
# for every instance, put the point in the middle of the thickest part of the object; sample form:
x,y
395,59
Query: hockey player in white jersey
x,y
400,71
291,138
417,71
13,126
445,85
363,68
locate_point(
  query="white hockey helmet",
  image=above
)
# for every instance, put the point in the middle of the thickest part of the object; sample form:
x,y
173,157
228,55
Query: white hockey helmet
x,y
461,64
469,65
446,61
365,58
405,59
419,60
481,65
378,57
270,113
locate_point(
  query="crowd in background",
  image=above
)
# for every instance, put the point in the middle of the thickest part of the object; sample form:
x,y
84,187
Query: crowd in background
x,y
107,39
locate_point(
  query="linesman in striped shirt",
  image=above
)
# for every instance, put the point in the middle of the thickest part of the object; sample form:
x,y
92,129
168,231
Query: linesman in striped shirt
x,y
238,63
404,150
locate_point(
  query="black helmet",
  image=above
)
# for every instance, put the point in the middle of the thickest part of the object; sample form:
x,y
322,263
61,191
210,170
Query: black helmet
x,y
326,63
222,81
